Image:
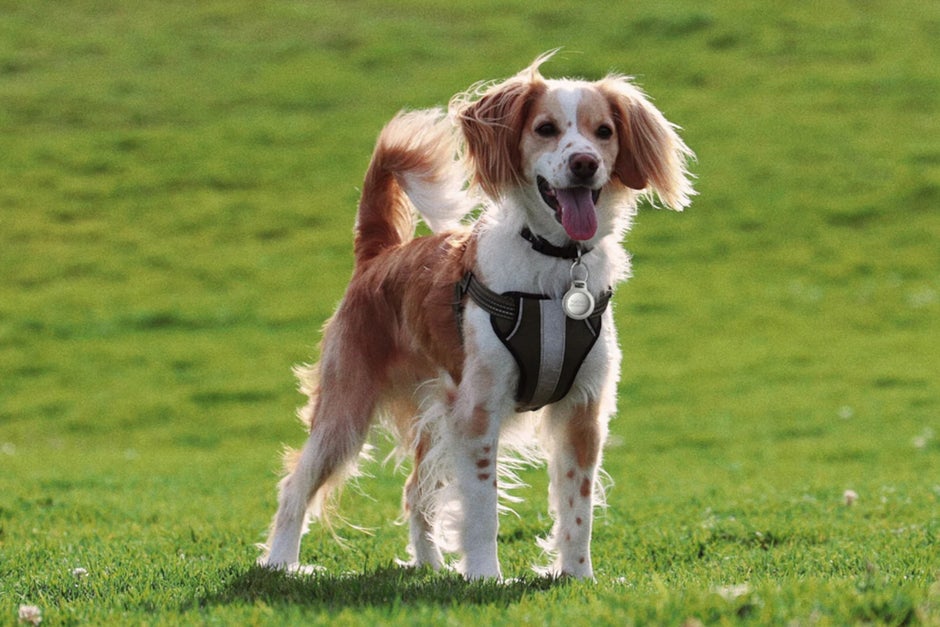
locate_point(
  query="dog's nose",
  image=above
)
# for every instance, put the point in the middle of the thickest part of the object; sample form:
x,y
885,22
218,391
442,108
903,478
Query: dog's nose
x,y
583,165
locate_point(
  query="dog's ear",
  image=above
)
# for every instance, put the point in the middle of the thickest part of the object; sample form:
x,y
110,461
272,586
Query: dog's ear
x,y
492,126
651,154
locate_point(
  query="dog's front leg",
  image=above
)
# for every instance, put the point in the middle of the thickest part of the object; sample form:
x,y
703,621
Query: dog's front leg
x,y
475,448
577,436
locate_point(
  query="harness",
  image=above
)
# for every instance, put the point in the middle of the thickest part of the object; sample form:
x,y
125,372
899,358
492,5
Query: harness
x,y
548,344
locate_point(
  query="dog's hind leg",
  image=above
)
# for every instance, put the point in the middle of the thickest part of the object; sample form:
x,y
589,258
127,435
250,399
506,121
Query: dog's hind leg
x,y
340,418
418,506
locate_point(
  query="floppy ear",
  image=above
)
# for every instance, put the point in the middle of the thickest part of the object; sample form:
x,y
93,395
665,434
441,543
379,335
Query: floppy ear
x,y
651,154
492,126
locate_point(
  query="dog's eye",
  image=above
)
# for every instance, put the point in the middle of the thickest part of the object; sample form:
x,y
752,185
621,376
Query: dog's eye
x,y
604,132
546,129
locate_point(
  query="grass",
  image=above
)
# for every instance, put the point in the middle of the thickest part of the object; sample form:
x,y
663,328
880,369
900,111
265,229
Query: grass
x,y
177,188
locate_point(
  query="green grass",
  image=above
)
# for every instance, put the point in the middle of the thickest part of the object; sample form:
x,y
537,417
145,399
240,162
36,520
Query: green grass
x,y
177,190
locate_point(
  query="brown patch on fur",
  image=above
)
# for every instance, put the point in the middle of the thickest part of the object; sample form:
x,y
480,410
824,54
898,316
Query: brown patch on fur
x,y
586,488
479,421
483,463
394,328
406,303
584,433
484,476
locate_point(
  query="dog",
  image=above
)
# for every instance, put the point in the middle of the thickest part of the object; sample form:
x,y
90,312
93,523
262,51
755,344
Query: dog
x,y
498,318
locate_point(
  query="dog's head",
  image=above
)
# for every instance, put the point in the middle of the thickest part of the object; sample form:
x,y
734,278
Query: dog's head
x,y
564,146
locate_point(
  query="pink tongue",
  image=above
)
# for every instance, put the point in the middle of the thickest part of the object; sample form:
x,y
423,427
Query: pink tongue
x,y
577,212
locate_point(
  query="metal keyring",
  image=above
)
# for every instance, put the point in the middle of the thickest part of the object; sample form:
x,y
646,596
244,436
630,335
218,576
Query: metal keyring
x,y
577,264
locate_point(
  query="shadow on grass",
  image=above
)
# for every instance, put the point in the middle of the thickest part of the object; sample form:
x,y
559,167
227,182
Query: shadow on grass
x,y
390,585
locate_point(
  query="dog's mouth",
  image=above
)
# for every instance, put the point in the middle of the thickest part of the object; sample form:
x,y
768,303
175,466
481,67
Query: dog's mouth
x,y
574,208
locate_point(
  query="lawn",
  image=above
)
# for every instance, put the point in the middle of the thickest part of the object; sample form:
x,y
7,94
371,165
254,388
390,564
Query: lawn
x,y
177,191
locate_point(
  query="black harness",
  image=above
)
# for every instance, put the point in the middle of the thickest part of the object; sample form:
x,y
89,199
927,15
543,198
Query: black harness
x,y
548,346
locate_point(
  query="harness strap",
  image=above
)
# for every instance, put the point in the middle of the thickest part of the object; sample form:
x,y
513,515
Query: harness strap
x,y
548,346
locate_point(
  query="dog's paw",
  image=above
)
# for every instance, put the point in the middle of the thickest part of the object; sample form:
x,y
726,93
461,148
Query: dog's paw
x,y
416,564
302,570
265,562
409,563
481,574
306,570
556,573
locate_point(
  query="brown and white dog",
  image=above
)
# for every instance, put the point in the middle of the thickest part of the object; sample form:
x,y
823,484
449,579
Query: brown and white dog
x,y
563,160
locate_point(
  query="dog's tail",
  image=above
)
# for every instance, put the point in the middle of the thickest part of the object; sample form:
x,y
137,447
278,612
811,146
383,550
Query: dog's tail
x,y
414,166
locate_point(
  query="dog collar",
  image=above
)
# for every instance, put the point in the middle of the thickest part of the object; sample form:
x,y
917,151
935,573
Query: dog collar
x,y
571,250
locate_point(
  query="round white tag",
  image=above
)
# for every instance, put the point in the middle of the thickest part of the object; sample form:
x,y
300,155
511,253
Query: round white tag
x,y
578,302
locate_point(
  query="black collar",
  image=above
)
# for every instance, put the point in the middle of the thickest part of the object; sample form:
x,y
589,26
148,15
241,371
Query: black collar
x,y
571,250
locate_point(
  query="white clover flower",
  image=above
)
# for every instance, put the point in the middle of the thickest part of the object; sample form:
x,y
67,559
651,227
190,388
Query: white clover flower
x,y
30,614
849,497
921,441
732,592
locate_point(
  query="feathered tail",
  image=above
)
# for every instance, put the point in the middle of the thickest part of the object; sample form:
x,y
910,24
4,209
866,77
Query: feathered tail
x,y
414,166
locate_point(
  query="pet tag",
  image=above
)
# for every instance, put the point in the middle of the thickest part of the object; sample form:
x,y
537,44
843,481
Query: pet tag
x,y
578,302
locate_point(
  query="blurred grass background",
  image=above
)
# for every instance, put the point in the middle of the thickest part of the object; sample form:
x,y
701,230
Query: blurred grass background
x,y
177,191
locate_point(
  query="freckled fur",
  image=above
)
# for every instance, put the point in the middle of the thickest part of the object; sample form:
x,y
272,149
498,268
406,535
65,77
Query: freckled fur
x,y
393,349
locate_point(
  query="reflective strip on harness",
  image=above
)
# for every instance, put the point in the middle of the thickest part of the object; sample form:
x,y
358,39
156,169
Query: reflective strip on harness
x,y
552,355
548,346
